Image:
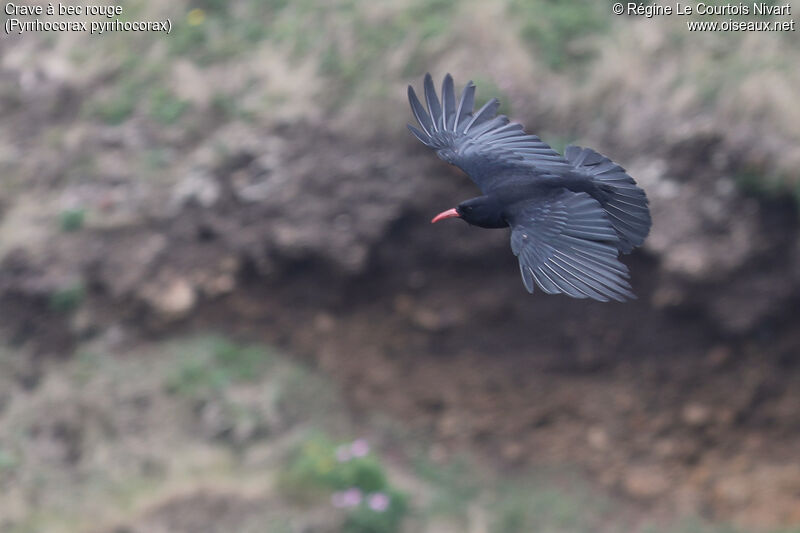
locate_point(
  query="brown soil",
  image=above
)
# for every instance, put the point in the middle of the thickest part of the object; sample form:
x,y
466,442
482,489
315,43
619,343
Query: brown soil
x,y
654,405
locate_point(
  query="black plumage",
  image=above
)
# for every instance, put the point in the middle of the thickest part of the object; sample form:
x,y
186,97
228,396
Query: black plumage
x,y
570,215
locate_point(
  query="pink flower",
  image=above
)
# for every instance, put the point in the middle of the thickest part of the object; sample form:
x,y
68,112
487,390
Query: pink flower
x,y
378,502
352,497
346,498
359,448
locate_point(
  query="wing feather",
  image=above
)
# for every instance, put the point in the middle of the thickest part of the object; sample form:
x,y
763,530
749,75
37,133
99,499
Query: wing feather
x,y
434,108
566,243
418,134
448,103
486,112
465,106
423,119
482,143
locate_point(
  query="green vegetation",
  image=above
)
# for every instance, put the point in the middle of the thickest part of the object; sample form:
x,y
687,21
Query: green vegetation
x,y
456,484
165,107
188,36
558,142
315,466
348,40
72,219
354,480
219,7
363,519
488,89
8,462
211,364
696,525
69,298
691,526
767,186
155,159
88,364
118,106
304,396
214,371
539,505
555,29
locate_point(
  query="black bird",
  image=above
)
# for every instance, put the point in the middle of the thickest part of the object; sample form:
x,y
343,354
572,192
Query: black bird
x,y
570,215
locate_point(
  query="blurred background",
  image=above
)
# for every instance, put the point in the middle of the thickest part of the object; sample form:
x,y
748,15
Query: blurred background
x,y
224,308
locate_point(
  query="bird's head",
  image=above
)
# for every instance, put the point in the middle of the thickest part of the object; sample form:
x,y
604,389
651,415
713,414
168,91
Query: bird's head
x,y
483,211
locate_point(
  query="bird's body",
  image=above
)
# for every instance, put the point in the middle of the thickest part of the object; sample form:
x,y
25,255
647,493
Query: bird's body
x,y
504,202
570,215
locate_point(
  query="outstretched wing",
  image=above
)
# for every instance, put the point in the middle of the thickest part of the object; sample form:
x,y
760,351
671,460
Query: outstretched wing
x,y
483,144
566,244
625,203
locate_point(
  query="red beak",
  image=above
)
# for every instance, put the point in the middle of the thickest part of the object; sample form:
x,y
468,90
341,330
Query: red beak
x,y
450,213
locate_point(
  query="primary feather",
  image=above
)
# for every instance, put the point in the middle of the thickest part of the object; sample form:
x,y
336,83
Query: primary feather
x,y
478,143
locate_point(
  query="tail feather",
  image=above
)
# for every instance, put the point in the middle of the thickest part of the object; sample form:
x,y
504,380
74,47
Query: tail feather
x,y
625,204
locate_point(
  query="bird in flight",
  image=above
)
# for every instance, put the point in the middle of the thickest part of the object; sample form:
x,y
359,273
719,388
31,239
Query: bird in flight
x,y
570,216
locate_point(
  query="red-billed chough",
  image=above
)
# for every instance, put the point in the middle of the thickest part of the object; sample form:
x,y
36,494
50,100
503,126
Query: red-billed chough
x,y
570,215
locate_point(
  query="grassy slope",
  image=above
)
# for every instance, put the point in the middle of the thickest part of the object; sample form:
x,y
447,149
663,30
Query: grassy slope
x,y
135,438
585,70
122,122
